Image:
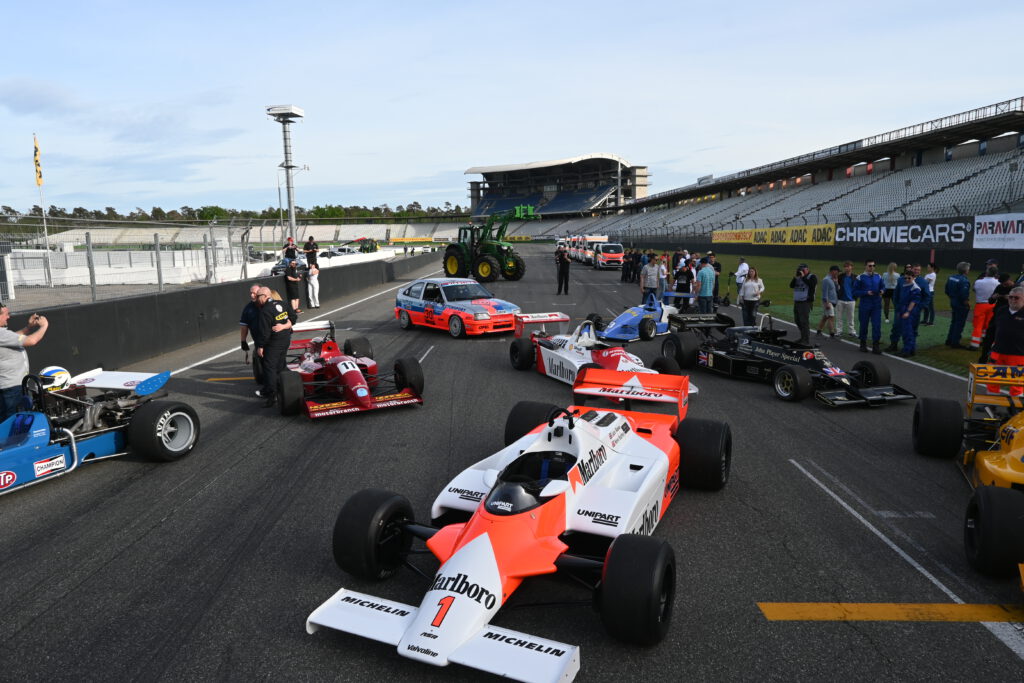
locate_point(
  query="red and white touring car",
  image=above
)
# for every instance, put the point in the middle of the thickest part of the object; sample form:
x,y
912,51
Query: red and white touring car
x,y
324,380
562,356
577,490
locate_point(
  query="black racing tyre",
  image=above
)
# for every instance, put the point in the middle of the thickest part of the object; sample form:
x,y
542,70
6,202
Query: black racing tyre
x,y
521,353
456,327
163,430
369,540
359,347
666,365
517,271
257,366
683,347
289,392
455,263
486,268
705,453
404,321
581,399
647,328
638,588
938,427
524,416
792,383
993,533
409,375
725,300
872,373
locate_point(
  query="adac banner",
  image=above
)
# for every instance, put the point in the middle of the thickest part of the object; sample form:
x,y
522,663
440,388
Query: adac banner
x,y
925,232
732,236
999,231
803,235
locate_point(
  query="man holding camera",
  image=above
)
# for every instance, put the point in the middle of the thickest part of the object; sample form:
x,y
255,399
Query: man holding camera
x,y
803,285
14,358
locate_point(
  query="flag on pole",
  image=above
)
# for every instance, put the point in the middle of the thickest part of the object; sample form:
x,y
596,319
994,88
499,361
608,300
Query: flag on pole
x,y
39,169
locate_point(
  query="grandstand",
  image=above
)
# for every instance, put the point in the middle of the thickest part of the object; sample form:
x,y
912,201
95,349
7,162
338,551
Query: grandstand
x,y
578,186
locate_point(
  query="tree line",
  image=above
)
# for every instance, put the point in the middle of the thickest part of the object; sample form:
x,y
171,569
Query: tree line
x,y
219,213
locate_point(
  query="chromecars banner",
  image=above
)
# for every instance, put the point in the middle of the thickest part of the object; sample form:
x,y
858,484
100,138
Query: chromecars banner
x,y
927,232
999,231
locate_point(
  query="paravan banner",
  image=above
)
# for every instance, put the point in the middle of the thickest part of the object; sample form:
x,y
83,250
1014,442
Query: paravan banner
x,y
999,231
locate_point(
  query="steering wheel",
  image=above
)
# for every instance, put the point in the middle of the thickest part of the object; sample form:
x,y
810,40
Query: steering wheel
x,y
33,386
553,415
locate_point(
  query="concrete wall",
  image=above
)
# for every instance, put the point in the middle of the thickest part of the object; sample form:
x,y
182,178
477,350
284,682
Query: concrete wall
x,y
113,334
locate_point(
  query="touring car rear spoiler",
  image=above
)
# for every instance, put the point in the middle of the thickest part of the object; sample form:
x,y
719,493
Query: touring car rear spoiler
x,y
524,319
631,386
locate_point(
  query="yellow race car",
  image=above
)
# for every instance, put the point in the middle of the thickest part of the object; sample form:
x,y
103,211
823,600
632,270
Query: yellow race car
x,y
991,439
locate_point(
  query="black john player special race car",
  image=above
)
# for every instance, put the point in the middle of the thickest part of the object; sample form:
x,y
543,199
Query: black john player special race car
x,y
796,371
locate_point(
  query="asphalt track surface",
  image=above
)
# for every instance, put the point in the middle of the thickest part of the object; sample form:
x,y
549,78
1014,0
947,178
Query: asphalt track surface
x,y
207,568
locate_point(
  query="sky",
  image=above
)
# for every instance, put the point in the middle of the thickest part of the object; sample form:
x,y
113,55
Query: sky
x,y
137,105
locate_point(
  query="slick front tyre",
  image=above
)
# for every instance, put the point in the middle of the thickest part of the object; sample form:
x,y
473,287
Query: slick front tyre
x,y
359,347
524,417
370,541
638,588
456,327
521,354
409,375
792,383
289,392
938,427
993,533
705,453
163,430
648,328
666,366
872,373
683,347
597,320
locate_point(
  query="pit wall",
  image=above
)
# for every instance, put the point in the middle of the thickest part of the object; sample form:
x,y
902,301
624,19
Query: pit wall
x,y
113,334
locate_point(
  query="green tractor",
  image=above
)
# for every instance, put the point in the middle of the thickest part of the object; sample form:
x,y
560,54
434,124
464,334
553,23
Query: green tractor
x,y
484,256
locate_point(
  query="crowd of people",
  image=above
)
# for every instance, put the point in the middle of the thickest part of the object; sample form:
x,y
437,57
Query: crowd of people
x,y
853,304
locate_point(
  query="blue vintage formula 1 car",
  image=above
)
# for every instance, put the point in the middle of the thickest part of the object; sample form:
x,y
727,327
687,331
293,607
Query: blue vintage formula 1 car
x,y
90,417
639,322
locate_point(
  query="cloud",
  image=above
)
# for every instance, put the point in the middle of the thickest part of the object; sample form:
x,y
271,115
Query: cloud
x,y
23,97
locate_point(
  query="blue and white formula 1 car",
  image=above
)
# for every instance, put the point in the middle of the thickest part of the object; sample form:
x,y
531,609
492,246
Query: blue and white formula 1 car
x,y
95,415
577,490
639,323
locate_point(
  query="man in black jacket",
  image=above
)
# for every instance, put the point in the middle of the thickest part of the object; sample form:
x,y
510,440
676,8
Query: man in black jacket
x,y
275,335
803,285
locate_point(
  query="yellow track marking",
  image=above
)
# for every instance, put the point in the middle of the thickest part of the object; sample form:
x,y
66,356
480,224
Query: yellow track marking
x,y
889,611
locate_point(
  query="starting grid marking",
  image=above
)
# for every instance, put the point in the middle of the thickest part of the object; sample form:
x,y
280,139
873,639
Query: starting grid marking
x,y
869,611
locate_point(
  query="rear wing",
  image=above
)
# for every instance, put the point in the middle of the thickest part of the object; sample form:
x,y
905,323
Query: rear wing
x,y
999,376
700,321
142,383
315,326
634,386
524,319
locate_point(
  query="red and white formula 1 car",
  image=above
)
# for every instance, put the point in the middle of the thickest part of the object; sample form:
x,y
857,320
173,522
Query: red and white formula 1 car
x,y
577,490
323,380
562,356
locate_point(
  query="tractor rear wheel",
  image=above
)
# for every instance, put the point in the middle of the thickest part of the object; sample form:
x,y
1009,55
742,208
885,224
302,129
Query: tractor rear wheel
x,y
455,263
486,268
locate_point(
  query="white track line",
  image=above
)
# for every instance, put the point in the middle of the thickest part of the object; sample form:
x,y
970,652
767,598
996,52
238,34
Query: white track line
x,y
318,317
1005,632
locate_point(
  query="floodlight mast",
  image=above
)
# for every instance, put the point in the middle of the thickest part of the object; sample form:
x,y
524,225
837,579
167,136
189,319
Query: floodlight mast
x,y
285,114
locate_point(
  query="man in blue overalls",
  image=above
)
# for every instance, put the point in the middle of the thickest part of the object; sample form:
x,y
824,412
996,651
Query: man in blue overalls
x,y
958,289
868,288
908,310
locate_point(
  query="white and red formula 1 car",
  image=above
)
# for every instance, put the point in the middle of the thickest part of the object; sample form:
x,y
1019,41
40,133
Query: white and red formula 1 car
x,y
577,490
562,356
